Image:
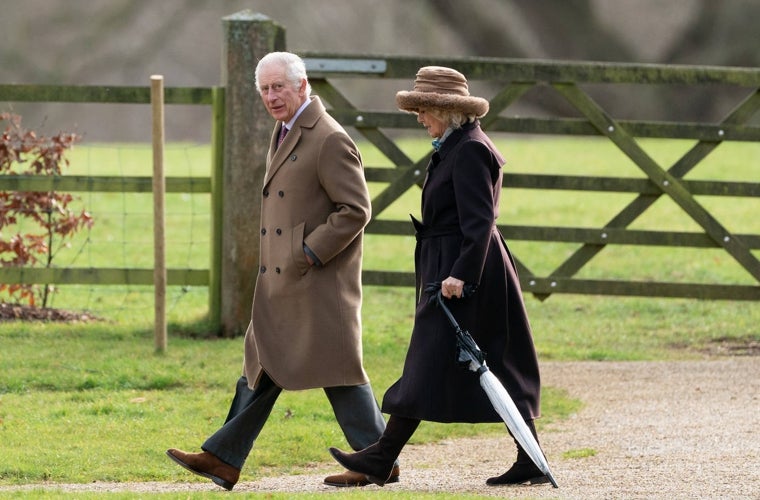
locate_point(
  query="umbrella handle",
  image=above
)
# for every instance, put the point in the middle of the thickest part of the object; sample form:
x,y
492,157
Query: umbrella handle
x,y
439,298
468,352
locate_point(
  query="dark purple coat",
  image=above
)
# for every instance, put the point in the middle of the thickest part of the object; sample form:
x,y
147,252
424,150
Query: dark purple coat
x,y
458,237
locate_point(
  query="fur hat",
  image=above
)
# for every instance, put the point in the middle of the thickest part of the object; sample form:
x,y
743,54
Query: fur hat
x,y
443,88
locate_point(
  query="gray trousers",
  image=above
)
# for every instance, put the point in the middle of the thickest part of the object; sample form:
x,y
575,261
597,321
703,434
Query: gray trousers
x,y
355,408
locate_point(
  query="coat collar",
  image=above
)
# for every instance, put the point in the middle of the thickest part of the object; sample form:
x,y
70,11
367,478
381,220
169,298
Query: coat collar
x,y
450,143
455,136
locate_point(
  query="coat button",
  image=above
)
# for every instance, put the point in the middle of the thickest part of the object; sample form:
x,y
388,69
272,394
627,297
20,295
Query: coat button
x,y
277,270
281,194
263,269
263,231
266,193
278,231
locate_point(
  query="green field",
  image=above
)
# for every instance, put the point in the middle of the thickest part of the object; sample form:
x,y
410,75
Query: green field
x,y
121,236
92,401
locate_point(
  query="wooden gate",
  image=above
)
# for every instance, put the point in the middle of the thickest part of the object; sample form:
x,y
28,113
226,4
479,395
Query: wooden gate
x,y
567,79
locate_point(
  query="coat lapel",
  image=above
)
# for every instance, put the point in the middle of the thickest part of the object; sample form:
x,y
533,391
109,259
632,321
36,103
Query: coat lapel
x,y
277,157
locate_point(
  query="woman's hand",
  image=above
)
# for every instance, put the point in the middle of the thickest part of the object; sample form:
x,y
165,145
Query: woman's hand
x,y
452,287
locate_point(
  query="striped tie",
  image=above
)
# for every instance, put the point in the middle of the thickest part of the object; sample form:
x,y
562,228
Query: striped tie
x,y
283,133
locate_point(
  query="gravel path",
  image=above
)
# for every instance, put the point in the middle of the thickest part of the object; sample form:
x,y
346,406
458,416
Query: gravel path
x,y
671,430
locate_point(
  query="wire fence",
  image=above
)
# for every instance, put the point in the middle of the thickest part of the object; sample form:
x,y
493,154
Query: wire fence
x,y
121,235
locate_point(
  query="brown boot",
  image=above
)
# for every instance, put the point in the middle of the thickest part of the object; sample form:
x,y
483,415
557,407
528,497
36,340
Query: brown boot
x,y
350,478
207,465
523,471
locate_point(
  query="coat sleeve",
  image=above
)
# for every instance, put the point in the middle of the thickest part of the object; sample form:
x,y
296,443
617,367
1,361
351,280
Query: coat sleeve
x,y
341,175
473,177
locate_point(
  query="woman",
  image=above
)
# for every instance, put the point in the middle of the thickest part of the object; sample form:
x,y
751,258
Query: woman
x,y
459,246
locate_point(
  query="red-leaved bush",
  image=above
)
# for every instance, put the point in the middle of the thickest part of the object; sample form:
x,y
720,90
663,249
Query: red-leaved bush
x,y
23,152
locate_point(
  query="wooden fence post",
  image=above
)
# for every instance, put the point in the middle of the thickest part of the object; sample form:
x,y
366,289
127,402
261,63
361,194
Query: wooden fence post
x,y
248,36
159,217
217,198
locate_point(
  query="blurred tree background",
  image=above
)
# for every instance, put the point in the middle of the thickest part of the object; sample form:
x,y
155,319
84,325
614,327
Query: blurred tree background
x,y
123,42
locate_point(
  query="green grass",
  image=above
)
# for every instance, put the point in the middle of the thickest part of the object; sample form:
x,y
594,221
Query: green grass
x,y
93,401
581,453
87,402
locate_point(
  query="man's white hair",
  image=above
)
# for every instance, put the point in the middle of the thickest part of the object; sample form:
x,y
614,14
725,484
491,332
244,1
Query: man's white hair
x,y
295,69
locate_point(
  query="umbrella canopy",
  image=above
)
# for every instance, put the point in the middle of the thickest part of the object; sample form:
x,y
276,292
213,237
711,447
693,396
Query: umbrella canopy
x,y
470,355
506,408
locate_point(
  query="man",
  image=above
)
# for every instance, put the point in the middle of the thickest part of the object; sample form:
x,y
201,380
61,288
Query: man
x,y
305,329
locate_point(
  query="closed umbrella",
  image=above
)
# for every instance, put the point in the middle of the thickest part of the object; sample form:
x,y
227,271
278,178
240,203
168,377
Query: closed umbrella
x,y
469,354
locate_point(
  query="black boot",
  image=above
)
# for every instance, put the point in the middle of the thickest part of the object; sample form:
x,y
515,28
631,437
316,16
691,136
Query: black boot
x,y
523,470
377,460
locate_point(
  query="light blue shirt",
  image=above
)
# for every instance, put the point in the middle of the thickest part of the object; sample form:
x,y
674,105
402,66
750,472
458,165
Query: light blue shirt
x,y
289,125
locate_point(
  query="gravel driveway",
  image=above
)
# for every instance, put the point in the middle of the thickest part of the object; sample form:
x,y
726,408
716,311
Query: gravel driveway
x,y
671,430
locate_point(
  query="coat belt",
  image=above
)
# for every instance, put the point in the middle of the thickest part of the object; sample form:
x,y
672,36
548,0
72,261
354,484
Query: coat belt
x,y
422,231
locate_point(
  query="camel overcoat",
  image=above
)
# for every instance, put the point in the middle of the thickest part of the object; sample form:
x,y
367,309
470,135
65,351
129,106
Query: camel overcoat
x,y
458,237
305,328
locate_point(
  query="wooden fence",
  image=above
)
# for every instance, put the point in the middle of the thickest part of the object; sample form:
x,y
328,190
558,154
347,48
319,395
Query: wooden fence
x,y
213,97
514,77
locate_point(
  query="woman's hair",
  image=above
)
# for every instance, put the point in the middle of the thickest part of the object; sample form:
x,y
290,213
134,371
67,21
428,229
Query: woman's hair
x,y
454,119
295,69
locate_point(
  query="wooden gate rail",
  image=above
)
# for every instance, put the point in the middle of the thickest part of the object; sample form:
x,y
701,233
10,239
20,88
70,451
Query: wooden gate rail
x,y
565,78
102,94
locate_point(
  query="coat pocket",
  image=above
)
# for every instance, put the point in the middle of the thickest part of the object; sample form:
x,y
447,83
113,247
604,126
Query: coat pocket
x,y
296,250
